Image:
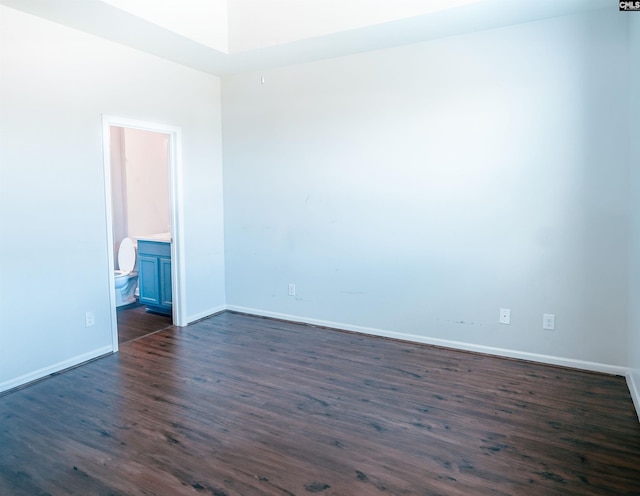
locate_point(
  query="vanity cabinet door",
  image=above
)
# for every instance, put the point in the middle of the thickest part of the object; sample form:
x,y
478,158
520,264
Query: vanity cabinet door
x,y
149,280
154,275
165,282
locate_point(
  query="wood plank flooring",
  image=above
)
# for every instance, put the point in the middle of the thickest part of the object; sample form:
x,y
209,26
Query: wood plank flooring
x,y
239,405
134,322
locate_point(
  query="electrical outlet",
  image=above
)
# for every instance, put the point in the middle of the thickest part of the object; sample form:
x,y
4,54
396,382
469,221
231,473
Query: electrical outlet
x,y
505,316
89,319
292,289
549,321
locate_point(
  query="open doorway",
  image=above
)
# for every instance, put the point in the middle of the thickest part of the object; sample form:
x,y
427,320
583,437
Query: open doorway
x,y
142,174
140,211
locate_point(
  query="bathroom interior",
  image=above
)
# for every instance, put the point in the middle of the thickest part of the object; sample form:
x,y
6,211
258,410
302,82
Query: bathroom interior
x,y
141,230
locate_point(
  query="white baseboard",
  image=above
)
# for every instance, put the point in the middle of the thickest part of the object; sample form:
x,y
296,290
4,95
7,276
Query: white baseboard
x,y
635,392
52,369
206,313
459,345
534,357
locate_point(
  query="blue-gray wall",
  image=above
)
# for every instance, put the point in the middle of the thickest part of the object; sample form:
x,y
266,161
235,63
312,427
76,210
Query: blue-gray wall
x,y
56,83
634,292
415,191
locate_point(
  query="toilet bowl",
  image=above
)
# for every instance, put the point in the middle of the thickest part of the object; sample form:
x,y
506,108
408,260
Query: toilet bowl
x,y
126,279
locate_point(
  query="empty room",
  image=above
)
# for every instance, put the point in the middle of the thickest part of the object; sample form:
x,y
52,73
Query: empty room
x,y
395,247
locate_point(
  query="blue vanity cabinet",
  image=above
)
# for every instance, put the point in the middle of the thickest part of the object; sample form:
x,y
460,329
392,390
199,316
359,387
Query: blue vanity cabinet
x,y
154,275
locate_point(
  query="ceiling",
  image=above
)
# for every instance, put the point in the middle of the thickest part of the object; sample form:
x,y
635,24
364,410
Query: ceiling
x,y
231,36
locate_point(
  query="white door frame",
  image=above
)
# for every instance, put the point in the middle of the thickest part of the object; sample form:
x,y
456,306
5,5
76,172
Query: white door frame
x,y
175,203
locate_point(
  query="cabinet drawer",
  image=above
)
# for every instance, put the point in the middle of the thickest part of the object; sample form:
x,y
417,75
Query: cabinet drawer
x,y
154,248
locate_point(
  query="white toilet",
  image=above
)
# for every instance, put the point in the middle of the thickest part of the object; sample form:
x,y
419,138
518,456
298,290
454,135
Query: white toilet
x,y
126,278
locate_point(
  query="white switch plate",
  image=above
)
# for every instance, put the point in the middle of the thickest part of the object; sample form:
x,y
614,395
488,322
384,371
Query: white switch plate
x,y
549,321
292,289
89,319
505,316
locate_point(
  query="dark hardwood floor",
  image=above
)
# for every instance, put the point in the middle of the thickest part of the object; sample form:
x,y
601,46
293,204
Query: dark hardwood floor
x,y
240,405
135,322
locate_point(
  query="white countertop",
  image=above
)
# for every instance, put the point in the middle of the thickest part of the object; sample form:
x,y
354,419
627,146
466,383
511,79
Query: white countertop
x,y
160,238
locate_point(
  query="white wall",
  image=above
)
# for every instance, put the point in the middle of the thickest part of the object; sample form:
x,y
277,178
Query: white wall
x,y
417,190
413,190
139,183
147,182
634,286
56,83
